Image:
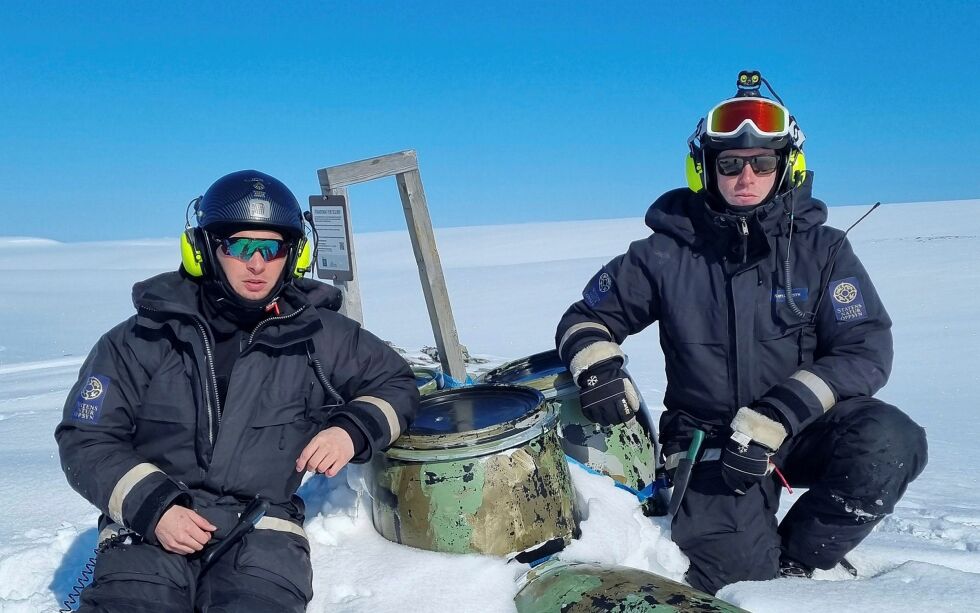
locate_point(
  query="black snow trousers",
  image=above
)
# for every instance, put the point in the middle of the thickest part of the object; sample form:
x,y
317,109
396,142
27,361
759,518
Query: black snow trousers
x,y
266,571
856,460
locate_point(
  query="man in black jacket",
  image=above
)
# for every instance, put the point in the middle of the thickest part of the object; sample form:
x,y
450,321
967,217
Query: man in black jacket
x,y
775,341
234,378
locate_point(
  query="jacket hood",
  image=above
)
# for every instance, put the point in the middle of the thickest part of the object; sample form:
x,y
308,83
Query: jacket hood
x,y
682,213
178,292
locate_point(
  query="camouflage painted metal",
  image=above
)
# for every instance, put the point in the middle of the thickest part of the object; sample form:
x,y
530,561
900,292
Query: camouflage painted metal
x,y
574,587
481,470
627,452
428,380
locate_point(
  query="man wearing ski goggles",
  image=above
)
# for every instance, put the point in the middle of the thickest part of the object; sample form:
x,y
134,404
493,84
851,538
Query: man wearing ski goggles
x,y
747,176
775,342
253,261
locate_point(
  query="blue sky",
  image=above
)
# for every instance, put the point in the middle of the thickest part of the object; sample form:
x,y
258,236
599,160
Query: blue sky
x,y
113,115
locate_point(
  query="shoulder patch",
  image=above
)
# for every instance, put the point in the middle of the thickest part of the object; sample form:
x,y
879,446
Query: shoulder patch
x,y
598,288
845,295
88,405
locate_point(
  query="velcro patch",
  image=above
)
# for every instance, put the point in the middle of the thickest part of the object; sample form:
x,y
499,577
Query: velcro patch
x,y
88,406
598,288
800,294
845,295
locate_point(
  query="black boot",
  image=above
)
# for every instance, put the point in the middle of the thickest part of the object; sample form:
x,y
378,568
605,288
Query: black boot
x,y
791,568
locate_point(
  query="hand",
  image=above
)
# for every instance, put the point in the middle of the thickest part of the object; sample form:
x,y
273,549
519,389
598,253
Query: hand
x,y
756,434
607,395
327,453
181,530
744,463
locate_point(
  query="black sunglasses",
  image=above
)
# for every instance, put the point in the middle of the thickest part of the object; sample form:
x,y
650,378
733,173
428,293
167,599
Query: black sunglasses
x,y
762,165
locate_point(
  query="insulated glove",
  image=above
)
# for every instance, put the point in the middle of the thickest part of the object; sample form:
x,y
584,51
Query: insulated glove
x,y
756,435
744,463
607,395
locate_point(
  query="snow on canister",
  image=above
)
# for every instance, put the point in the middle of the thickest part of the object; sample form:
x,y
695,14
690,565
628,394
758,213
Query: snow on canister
x,y
479,471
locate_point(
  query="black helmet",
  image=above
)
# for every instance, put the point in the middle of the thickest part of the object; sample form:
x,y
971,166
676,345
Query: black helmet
x,y
249,199
245,200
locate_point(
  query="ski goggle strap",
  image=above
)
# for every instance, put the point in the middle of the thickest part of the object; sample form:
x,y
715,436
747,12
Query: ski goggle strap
x,y
244,248
733,116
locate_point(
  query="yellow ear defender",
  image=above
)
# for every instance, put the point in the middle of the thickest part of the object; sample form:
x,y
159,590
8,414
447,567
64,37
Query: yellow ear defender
x,y
695,173
304,262
190,256
797,167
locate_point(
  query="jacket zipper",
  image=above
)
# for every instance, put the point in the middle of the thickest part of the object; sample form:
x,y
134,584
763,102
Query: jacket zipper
x,y
209,360
743,228
264,322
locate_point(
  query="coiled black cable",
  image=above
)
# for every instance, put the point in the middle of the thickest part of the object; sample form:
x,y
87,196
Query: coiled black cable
x,y
85,577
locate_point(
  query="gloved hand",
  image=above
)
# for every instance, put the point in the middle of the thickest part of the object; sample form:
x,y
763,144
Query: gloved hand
x,y
744,463
607,395
755,438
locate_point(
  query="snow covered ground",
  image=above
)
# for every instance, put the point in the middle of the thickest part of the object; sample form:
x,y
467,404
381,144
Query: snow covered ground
x,y
509,285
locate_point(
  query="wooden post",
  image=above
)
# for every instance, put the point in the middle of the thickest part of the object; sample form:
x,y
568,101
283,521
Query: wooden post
x,y
430,272
404,165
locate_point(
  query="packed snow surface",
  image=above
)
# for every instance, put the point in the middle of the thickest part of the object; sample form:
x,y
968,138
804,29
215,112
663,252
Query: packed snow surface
x,y
509,285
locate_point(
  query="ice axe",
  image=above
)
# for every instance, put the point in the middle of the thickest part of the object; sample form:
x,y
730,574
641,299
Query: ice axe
x,y
682,476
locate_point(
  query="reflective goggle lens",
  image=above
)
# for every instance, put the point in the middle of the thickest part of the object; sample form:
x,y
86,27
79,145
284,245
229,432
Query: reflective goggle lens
x,y
762,165
767,117
244,248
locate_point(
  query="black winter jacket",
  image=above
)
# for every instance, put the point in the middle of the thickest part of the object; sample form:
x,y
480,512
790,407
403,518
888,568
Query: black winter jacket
x,y
715,283
142,428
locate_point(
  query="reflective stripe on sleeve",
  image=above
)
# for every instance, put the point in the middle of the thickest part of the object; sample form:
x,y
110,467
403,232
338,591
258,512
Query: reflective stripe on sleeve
x,y
125,485
709,455
582,326
280,525
387,410
818,387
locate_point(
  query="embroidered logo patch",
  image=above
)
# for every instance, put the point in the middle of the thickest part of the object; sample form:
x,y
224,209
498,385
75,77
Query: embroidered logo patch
x,y
800,294
597,289
845,295
88,407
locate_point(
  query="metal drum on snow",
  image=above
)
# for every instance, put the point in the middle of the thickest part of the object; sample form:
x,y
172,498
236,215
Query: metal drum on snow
x,y
626,452
572,587
480,470
427,380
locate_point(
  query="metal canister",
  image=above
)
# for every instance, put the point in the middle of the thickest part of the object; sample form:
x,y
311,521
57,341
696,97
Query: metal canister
x,y
480,470
574,587
626,452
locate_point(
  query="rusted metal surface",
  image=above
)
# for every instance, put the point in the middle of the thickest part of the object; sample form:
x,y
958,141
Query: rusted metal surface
x,y
480,471
572,587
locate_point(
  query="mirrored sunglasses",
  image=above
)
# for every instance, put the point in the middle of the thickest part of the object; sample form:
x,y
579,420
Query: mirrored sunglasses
x,y
244,248
765,117
762,165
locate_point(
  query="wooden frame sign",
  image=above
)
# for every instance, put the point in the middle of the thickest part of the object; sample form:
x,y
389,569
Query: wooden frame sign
x,y
332,233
